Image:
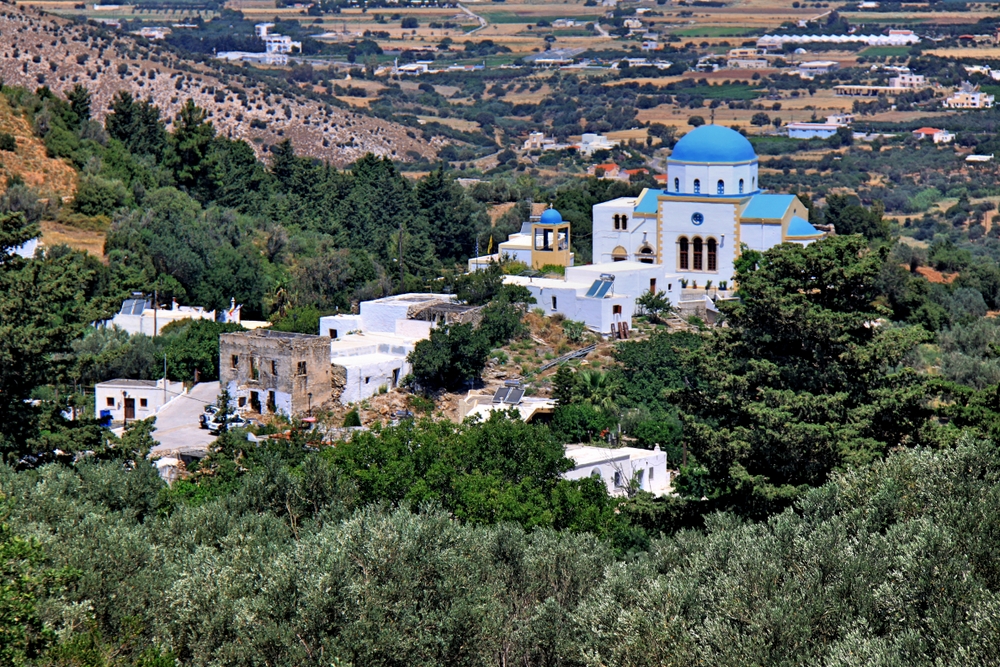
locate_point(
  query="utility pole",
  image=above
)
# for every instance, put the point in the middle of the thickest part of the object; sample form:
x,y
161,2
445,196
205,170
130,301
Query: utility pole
x,y
400,258
155,299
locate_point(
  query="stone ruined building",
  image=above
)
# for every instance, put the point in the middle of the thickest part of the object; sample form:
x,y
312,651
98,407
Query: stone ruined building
x,y
271,372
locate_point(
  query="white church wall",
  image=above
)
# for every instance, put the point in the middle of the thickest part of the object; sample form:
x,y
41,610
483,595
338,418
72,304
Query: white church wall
x,y
709,176
719,223
760,236
607,238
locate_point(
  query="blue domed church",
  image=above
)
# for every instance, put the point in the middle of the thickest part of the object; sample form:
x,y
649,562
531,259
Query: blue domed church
x,y
673,240
711,205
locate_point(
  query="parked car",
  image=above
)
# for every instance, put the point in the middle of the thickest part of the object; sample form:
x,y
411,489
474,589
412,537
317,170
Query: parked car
x,y
234,421
209,413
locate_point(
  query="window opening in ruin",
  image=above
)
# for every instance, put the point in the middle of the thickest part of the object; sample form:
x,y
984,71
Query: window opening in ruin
x,y
301,370
236,361
254,371
274,367
271,406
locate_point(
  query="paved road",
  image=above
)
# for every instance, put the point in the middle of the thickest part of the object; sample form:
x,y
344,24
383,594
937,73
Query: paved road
x,y
482,21
177,427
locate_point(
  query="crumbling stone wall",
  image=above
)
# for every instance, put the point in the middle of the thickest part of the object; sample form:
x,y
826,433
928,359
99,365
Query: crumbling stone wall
x,y
277,371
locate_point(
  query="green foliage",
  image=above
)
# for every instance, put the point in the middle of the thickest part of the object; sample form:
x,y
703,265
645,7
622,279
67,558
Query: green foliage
x,y
299,320
44,305
573,330
800,383
849,217
655,305
137,125
352,419
23,636
99,196
7,142
580,422
192,349
450,358
646,368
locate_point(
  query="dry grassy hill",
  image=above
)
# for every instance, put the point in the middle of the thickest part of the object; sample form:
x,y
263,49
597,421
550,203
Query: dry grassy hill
x,y
37,49
50,177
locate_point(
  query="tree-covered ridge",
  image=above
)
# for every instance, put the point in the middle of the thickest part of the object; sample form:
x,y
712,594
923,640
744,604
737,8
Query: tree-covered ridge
x,y
891,563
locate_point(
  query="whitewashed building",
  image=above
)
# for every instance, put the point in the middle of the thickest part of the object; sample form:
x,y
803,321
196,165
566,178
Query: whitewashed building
x,y
621,467
126,400
138,315
369,350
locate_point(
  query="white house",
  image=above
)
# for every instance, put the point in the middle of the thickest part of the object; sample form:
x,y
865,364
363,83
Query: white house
x,y
368,351
125,400
137,315
618,468
936,135
274,43
590,143
969,97
820,130
812,68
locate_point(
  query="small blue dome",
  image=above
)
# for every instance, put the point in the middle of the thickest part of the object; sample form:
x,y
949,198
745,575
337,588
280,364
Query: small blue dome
x,y
551,217
713,143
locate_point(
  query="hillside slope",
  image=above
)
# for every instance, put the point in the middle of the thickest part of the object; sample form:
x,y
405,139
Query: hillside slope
x,y
49,176
37,49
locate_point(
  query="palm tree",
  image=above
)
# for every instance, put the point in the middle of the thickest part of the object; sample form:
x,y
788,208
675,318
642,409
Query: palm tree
x,y
598,389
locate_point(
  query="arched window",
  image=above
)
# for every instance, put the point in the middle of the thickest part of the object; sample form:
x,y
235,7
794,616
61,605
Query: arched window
x,y
682,253
677,185
624,222
697,186
720,188
618,224
646,254
712,247
741,186
699,252
619,254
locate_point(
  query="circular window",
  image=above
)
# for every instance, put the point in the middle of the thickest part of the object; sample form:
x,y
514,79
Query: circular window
x,y
697,218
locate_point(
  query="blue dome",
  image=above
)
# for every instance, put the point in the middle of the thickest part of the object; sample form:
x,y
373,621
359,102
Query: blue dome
x,y
713,143
551,217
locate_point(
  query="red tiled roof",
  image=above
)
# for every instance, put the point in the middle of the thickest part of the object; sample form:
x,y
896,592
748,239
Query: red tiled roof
x,y
927,130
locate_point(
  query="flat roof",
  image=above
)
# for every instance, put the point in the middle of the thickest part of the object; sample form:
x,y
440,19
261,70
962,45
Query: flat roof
x,y
587,455
553,283
123,382
413,297
356,340
366,359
